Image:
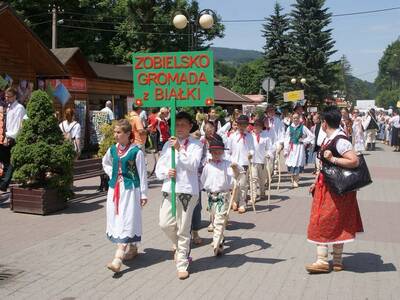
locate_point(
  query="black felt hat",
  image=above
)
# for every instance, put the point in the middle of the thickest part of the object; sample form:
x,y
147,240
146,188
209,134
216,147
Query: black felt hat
x,y
185,115
242,119
216,144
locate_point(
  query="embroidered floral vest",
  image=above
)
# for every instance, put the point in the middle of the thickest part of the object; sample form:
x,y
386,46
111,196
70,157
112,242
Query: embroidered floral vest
x,y
295,134
128,168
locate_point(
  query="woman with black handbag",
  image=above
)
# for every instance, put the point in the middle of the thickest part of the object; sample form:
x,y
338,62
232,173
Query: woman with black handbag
x,y
335,219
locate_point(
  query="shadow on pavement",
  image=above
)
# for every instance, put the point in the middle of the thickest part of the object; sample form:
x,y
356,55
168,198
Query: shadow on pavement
x,y
233,225
264,208
149,258
233,260
365,262
85,187
81,207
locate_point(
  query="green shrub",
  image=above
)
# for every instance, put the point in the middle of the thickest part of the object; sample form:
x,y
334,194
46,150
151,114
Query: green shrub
x,y
41,157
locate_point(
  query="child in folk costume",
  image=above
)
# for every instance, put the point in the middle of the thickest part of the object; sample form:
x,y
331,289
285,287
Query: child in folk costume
x,y
217,180
264,149
124,164
241,150
296,137
188,153
335,219
274,124
209,136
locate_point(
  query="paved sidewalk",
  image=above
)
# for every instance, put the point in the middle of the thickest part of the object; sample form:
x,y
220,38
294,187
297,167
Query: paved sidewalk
x,y
63,256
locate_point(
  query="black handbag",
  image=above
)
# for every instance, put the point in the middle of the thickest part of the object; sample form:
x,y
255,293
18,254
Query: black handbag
x,y
342,180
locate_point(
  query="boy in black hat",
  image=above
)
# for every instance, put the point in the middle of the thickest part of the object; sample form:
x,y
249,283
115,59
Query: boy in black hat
x,y
217,179
241,149
188,156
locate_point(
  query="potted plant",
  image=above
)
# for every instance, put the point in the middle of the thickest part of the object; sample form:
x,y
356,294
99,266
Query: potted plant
x,y
42,161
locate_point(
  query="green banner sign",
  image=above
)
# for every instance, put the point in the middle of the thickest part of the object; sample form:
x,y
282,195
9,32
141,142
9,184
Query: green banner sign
x,y
159,79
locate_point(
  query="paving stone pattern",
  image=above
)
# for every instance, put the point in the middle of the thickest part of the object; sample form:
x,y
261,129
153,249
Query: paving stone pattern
x,y
63,256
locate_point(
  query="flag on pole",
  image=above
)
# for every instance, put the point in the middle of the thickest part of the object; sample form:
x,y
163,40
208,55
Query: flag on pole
x,y
62,94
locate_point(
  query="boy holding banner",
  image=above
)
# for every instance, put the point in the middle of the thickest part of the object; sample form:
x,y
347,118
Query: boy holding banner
x,y
188,156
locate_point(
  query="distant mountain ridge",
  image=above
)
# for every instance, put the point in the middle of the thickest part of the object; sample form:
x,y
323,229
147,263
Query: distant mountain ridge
x,y
235,56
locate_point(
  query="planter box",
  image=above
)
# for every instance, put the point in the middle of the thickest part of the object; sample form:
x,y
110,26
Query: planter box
x,y
36,201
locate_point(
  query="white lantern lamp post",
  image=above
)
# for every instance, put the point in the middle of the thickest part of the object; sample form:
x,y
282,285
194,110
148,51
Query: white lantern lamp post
x,y
205,20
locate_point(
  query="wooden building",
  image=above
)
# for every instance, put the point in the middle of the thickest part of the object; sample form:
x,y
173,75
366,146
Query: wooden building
x,y
95,83
23,56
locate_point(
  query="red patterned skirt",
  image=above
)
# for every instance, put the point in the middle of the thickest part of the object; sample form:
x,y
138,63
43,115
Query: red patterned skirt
x,y
334,219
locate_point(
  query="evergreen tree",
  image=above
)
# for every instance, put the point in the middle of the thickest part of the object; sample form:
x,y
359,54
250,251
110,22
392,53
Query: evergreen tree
x,y
312,46
41,157
276,52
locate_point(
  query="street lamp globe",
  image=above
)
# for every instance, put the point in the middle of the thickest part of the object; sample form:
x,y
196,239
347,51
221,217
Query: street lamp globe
x,y
303,81
293,80
206,21
180,21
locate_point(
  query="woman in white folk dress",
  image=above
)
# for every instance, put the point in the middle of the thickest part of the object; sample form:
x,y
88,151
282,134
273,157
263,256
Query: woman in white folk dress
x,y
124,164
297,136
358,132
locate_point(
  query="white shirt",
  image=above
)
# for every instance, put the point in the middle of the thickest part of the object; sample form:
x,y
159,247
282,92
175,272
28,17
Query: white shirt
x,y
278,127
187,161
321,136
143,117
395,121
217,177
74,128
240,148
342,145
15,115
109,112
263,146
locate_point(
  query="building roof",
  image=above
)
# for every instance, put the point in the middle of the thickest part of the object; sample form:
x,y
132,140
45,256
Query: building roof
x,y
65,54
257,98
225,96
116,72
28,45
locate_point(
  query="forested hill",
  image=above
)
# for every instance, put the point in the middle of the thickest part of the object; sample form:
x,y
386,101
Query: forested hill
x,y
235,56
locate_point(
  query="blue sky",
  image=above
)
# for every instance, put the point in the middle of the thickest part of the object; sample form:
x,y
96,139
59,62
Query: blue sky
x,y
362,38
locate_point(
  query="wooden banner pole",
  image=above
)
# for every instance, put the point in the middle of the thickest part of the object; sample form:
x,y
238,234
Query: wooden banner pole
x,y
173,180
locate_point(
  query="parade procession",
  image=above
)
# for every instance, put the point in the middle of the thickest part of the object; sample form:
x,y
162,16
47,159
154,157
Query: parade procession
x,y
139,160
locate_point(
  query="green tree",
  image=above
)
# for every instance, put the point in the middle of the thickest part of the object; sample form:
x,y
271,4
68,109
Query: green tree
x,y
276,52
225,72
99,16
312,46
108,30
148,27
41,157
249,77
389,68
388,98
388,79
